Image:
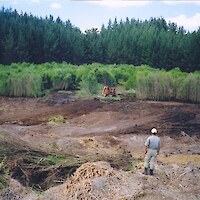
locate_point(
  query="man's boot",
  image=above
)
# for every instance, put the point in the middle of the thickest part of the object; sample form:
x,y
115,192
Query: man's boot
x,y
145,171
151,172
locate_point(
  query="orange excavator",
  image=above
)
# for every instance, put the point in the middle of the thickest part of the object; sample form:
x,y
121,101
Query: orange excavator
x,y
108,91
105,91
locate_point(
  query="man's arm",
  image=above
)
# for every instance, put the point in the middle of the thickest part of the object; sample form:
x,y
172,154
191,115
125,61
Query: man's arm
x,y
146,145
158,151
145,149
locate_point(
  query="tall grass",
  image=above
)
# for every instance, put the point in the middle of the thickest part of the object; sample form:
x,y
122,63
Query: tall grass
x,y
29,80
154,86
24,85
190,89
89,86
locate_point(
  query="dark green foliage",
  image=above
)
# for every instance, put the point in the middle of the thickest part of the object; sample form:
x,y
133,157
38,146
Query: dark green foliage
x,y
104,77
154,42
24,38
3,81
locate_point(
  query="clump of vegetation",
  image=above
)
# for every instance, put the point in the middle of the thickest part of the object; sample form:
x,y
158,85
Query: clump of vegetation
x,y
110,99
53,160
57,119
137,164
3,175
3,182
190,88
142,82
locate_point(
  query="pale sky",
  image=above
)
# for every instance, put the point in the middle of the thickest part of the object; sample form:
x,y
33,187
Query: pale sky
x,y
93,13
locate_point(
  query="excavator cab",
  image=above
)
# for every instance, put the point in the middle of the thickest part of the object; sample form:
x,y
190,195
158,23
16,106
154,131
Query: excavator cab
x,y
108,91
105,91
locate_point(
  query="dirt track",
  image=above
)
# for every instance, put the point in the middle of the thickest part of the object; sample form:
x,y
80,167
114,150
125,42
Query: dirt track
x,y
94,130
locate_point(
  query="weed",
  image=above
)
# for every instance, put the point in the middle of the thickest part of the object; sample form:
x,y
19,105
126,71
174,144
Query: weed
x,y
54,146
3,174
129,166
39,193
110,99
53,160
56,119
137,164
3,182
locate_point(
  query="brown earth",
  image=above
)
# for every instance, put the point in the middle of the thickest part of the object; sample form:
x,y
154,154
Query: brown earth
x,y
42,154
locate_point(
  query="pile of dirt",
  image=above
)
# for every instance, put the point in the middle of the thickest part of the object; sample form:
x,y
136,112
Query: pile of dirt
x,y
100,181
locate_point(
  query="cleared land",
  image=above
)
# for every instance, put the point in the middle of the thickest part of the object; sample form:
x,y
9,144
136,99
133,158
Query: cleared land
x,y
44,141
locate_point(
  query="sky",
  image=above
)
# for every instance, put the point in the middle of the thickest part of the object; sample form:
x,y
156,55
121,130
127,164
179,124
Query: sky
x,y
87,14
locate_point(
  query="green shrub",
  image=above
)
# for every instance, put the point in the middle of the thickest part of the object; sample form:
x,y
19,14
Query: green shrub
x,y
104,77
120,74
178,78
53,160
131,82
154,86
57,119
90,85
3,83
190,89
82,72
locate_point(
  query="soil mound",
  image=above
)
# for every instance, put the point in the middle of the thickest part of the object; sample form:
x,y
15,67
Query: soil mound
x,y
100,181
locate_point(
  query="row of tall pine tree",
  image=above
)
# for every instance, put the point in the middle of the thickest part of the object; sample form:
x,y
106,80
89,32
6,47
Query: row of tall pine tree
x,y
26,38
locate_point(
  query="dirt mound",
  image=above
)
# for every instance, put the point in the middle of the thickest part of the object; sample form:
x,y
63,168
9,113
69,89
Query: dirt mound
x,y
100,181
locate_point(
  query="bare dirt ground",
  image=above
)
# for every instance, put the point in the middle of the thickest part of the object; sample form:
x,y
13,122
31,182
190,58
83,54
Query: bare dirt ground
x,y
42,154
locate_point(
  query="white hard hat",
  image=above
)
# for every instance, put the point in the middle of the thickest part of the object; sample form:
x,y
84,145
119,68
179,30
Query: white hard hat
x,y
154,130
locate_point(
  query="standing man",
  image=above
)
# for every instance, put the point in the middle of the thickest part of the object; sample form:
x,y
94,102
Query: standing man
x,y
152,149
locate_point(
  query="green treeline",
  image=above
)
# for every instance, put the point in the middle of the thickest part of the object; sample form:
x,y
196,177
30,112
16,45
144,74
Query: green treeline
x,y
34,80
154,42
